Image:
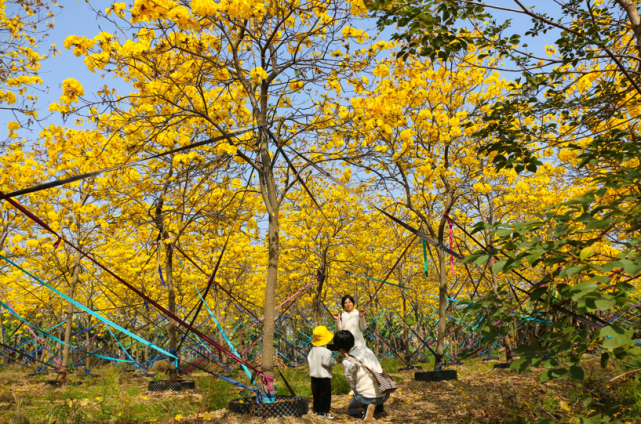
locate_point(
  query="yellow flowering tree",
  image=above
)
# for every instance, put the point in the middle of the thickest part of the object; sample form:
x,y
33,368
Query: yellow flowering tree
x,y
202,68
414,127
23,24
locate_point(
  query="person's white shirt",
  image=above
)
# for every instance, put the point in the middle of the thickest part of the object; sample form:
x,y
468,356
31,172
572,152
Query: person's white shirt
x,y
354,323
320,362
359,379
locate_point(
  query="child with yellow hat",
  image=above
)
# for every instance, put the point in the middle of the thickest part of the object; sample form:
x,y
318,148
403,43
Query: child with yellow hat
x,y
320,370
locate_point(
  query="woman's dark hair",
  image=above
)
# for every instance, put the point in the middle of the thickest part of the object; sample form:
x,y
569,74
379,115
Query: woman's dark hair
x,y
344,340
347,296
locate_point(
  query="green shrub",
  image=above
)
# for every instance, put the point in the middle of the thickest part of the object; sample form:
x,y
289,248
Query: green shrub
x,y
391,365
298,379
340,386
218,393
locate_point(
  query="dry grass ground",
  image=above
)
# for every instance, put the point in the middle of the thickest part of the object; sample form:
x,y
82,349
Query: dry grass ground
x,y
480,395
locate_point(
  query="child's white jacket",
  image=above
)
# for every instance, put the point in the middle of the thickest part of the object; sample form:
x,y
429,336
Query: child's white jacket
x,y
320,362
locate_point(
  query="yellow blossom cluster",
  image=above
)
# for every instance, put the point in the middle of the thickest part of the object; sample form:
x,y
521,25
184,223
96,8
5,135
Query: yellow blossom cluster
x,y
22,25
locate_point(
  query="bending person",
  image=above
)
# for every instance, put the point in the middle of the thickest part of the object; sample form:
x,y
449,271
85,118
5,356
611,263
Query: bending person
x,y
367,397
351,320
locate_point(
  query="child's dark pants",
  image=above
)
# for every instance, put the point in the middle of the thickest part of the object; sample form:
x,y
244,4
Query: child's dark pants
x,y
322,392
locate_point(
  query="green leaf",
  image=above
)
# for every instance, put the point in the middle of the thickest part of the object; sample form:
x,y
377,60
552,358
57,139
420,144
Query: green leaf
x,y
587,402
635,362
498,267
469,259
570,271
601,279
544,421
604,304
631,268
587,252
577,373
481,259
615,336
522,348
537,293
548,375
520,365
532,258
609,266
545,376
582,289
626,287
605,358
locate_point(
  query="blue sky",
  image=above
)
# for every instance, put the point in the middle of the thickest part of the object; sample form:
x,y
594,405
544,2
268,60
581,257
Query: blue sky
x,y
76,18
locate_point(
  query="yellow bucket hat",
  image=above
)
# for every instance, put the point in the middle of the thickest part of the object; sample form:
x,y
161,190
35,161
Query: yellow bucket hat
x,y
322,336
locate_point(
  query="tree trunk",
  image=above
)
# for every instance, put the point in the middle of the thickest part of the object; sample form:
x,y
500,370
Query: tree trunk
x,y
68,324
506,339
376,341
453,345
147,347
171,303
406,331
270,294
221,340
6,357
171,295
495,283
442,308
87,340
241,342
517,337
635,21
44,353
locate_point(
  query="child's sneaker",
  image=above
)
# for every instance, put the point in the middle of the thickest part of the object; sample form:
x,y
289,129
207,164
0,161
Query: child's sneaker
x,y
325,415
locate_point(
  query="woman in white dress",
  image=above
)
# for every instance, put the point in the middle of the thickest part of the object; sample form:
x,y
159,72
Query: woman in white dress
x,y
351,320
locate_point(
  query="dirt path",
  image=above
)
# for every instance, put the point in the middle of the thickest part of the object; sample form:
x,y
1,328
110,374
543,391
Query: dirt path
x,y
479,395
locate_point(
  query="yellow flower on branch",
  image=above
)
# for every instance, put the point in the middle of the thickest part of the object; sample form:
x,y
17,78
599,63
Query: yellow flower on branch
x,y
258,74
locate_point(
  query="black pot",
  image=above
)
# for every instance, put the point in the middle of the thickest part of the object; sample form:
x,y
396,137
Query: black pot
x,y
285,406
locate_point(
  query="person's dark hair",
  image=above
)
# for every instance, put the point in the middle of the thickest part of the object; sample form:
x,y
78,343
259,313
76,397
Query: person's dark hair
x,y
344,340
347,296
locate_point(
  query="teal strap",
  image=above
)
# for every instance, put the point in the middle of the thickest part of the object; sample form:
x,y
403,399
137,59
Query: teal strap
x,y
425,258
379,315
220,328
380,281
448,298
90,312
124,350
266,399
57,339
106,357
535,319
31,325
